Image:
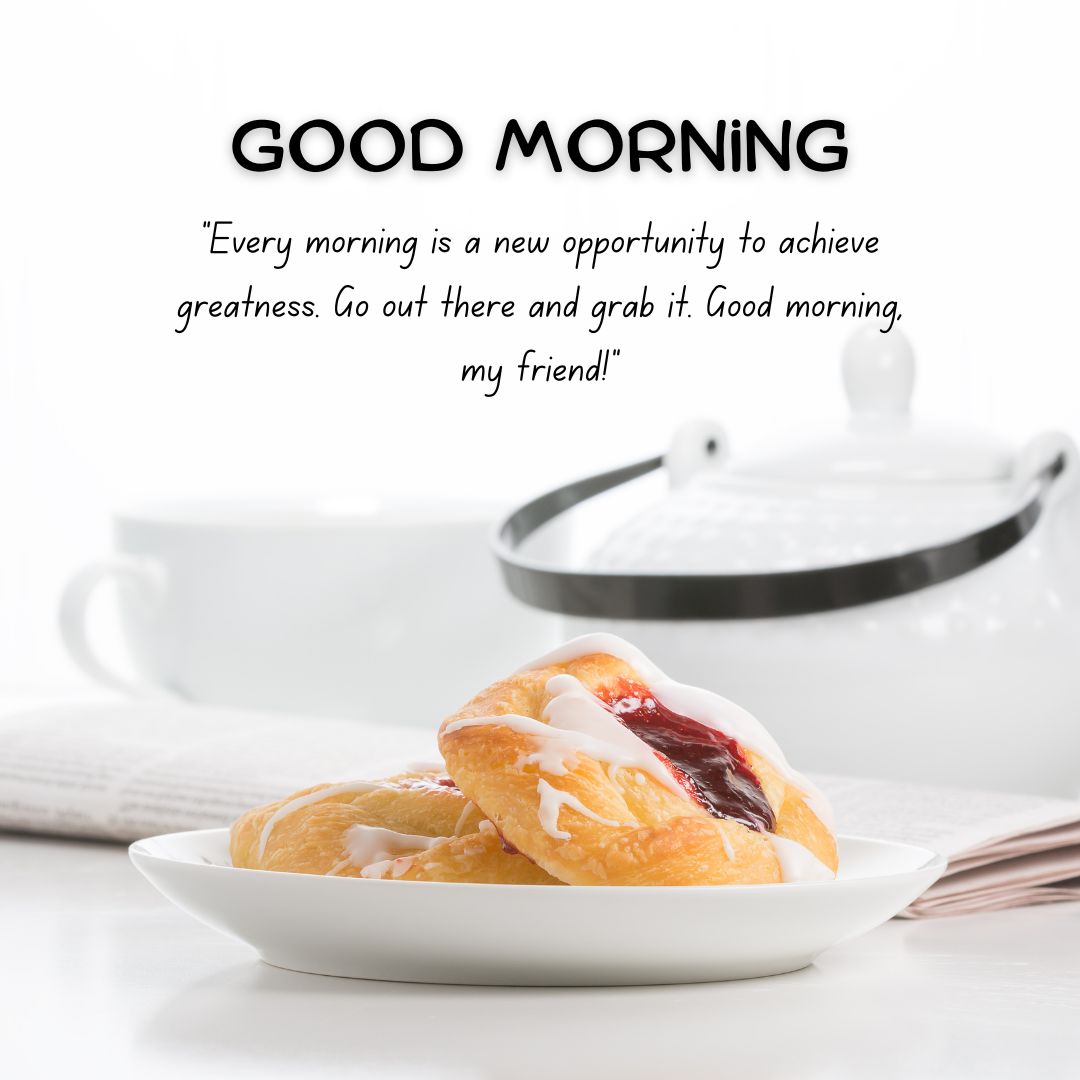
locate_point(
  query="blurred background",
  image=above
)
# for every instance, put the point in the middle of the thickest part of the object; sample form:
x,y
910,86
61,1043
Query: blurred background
x,y
118,121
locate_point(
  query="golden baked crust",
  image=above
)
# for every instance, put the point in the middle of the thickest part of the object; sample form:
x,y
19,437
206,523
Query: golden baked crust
x,y
647,834
310,839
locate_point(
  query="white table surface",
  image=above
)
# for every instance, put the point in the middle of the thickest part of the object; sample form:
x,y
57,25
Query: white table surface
x,y
99,975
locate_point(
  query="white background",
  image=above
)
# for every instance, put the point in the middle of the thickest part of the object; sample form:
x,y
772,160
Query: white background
x,y
117,125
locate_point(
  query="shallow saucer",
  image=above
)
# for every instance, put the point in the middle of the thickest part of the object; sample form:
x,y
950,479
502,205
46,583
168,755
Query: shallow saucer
x,y
534,935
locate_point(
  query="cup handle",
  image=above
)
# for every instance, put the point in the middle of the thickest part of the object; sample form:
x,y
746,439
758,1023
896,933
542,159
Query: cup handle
x,y
147,577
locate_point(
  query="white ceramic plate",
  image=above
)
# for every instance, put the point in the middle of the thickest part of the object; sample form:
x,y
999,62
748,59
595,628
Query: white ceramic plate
x,y
534,935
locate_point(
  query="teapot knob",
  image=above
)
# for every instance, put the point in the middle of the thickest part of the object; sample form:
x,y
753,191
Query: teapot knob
x,y
879,372
697,445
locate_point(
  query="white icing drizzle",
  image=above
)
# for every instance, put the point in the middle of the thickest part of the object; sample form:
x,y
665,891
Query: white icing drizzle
x,y
373,849
798,863
704,706
307,800
463,817
397,867
552,800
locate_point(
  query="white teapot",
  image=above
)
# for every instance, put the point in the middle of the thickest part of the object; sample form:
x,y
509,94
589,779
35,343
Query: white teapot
x,y
895,600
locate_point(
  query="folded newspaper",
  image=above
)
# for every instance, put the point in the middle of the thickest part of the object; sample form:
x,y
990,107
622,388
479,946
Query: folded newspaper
x,y
122,770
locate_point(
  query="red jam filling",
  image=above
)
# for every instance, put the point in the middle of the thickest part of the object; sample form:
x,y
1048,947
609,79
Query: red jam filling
x,y
706,762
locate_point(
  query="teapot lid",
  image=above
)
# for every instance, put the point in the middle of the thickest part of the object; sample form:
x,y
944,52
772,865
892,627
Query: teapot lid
x,y
883,442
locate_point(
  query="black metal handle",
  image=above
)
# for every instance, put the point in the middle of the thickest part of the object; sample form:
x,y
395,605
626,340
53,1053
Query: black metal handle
x,y
739,596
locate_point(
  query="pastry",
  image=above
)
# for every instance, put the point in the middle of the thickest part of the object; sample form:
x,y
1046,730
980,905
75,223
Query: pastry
x,y
603,771
589,767
417,826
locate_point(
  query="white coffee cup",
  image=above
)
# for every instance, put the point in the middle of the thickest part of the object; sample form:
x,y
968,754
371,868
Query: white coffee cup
x,y
391,612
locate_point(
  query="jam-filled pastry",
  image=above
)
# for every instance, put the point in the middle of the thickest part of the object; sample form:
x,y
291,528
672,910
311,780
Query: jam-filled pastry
x,y
415,826
603,771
